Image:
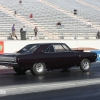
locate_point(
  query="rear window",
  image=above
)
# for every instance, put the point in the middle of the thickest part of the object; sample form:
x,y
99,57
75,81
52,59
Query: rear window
x,y
29,48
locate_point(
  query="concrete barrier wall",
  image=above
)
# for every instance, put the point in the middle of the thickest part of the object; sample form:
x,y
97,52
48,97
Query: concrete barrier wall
x,y
15,45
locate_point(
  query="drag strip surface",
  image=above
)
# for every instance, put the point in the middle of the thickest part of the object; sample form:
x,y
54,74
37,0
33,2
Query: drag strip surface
x,y
16,89
14,84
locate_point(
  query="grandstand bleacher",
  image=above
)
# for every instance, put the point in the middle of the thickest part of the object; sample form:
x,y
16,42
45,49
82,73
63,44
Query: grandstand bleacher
x,y
46,13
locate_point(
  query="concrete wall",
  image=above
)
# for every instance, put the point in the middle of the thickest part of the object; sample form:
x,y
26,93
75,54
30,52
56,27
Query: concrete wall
x,y
14,45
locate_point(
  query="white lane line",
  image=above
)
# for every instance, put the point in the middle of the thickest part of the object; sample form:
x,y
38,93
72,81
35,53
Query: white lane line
x,y
20,89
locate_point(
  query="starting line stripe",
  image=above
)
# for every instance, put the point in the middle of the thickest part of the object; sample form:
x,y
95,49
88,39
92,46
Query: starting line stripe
x,y
31,88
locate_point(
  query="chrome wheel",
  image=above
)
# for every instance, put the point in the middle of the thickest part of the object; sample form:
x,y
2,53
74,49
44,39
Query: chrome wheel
x,y
85,65
39,67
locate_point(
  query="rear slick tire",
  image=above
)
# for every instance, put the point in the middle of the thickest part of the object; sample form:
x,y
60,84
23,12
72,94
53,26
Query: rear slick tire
x,y
38,69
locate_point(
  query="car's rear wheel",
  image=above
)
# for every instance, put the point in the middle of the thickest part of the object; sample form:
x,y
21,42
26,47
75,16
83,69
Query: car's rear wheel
x,y
19,70
38,69
85,65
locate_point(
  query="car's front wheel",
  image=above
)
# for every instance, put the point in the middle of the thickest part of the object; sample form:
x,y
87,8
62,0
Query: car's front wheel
x,y
38,69
19,70
85,65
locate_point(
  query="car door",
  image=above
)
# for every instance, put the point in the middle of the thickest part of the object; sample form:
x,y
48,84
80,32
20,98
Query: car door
x,y
65,56
49,57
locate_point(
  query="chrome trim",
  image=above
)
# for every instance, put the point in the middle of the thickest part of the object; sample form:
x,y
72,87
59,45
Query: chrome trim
x,y
4,58
8,63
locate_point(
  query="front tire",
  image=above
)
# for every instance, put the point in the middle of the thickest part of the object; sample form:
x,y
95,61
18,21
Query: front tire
x,y
19,70
38,69
85,65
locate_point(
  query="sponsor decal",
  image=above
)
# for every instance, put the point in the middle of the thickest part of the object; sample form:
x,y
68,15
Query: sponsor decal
x,y
1,47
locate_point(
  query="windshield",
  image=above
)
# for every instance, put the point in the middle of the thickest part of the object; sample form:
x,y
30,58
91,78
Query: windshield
x,y
29,48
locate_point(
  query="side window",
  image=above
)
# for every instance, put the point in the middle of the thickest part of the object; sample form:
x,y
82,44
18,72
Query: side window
x,y
50,50
65,47
59,48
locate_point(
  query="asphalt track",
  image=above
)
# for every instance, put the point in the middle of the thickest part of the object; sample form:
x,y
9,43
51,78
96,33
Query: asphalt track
x,y
54,85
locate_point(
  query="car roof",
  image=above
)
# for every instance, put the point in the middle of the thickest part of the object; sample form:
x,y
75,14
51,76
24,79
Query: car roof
x,y
47,43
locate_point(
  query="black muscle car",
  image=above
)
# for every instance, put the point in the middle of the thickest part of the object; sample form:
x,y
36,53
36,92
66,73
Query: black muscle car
x,y
47,56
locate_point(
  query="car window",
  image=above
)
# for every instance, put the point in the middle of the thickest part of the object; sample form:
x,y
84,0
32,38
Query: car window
x,y
26,47
59,48
29,48
50,50
66,47
32,48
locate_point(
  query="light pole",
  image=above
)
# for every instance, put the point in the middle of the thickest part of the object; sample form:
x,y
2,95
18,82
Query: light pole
x,y
75,13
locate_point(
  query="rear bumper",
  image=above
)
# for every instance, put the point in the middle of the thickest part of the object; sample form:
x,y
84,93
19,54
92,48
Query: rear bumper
x,y
9,63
